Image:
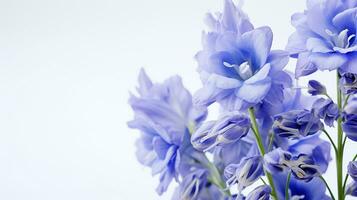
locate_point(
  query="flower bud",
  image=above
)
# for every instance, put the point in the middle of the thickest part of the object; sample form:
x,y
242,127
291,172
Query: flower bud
x,y
245,173
260,193
352,169
327,110
296,123
228,129
316,88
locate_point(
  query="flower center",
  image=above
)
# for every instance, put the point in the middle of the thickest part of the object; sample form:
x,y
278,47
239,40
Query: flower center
x,y
341,40
244,70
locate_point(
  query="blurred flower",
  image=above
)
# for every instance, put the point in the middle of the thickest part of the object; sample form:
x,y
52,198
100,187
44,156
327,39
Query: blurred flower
x,y
316,88
325,37
196,186
348,83
260,193
227,129
327,110
352,189
163,114
237,67
301,166
352,169
296,123
245,173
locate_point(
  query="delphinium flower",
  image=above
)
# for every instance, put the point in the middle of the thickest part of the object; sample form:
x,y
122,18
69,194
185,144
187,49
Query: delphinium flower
x,y
349,124
260,193
296,124
237,67
302,166
244,173
327,110
164,113
352,189
196,185
300,190
227,129
348,83
316,88
352,172
313,146
325,37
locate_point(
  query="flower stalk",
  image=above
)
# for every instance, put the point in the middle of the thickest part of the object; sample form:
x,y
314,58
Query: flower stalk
x,y
340,146
261,149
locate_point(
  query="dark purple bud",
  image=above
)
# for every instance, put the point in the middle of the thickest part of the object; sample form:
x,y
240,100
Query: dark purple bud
x,y
316,88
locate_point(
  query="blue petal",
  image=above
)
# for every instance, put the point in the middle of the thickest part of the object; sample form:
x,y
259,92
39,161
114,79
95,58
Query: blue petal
x,y
328,61
258,43
255,89
278,59
303,66
318,45
346,20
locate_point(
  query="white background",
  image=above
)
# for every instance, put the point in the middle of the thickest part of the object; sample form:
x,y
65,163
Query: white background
x,y
65,71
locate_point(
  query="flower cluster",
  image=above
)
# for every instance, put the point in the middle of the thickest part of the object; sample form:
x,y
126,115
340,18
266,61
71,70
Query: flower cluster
x,y
269,129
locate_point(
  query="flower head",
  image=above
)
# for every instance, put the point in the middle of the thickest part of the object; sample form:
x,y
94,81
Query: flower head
x,y
325,37
313,146
348,83
245,173
327,110
352,189
260,193
299,190
349,124
316,88
352,169
236,65
196,185
164,121
296,123
227,129
301,166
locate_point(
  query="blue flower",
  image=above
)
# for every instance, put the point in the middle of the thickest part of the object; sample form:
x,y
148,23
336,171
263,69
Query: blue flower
x,y
302,166
348,83
260,193
196,185
237,67
296,123
349,124
245,173
352,189
316,88
325,37
313,146
352,169
298,190
327,110
164,113
227,129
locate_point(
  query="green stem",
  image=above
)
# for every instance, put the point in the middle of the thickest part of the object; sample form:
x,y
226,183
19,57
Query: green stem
x,y
329,137
339,153
261,148
215,177
346,177
328,187
287,186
